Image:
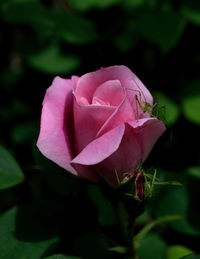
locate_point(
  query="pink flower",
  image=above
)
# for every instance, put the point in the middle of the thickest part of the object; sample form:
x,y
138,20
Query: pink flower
x,y
95,123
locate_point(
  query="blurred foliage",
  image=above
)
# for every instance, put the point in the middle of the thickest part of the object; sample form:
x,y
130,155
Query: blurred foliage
x,y
12,247
191,101
190,257
169,109
10,172
176,252
61,256
148,249
44,212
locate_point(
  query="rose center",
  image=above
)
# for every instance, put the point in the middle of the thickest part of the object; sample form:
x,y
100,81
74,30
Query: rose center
x,y
109,93
97,101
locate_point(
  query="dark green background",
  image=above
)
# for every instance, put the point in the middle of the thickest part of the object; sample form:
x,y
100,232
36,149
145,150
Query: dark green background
x,y
43,211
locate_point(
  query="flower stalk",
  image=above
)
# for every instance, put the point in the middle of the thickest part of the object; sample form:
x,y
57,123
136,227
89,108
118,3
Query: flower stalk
x,y
128,203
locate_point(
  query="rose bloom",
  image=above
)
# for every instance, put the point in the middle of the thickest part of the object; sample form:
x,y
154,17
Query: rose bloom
x,y
95,123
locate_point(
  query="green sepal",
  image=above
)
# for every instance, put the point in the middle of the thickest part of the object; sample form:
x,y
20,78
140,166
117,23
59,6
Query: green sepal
x,y
176,183
149,182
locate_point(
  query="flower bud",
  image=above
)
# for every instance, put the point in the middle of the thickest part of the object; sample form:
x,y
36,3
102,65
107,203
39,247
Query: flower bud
x,y
139,185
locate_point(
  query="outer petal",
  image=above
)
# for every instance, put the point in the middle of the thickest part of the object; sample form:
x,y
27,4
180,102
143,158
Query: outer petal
x,y
75,81
86,172
138,140
100,148
148,131
56,129
124,160
88,83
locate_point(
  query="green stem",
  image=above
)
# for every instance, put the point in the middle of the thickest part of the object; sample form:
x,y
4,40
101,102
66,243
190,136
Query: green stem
x,y
127,227
122,217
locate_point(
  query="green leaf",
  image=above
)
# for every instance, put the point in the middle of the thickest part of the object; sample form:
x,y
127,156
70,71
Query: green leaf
x,y
191,101
170,109
145,230
177,251
126,39
89,4
148,249
144,217
179,200
175,200
14,248
162,27
62,256
191,10
191,108
27,12
10,172
194,171
51,22
74,29
52,61
119,249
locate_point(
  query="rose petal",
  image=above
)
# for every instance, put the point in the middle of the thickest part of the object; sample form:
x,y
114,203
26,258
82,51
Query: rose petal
x,y
97,101
86,172
110,92
100,148
138,140
88,119
148,131
56,124
88,83
75,81
122,114
124,160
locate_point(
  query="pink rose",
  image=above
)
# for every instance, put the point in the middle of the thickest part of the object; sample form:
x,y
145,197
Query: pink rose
x,y
94,123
